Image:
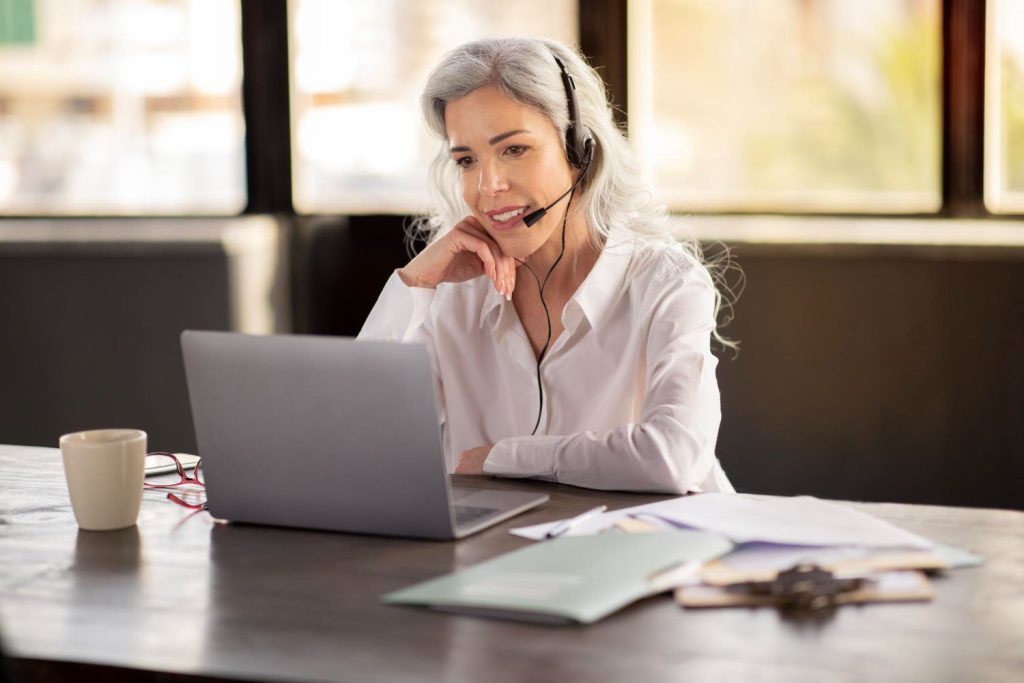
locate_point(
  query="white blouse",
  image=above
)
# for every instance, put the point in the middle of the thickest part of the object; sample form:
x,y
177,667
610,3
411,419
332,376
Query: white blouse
x,y
630,396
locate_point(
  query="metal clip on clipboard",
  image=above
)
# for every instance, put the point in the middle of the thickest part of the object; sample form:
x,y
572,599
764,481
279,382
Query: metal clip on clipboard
x,y
801,587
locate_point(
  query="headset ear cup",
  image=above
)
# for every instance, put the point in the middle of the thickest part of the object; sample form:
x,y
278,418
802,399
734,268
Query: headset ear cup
x,y
579,148
577,144
587,154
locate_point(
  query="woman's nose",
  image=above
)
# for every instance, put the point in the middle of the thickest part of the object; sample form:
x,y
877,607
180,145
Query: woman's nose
x,y
492,179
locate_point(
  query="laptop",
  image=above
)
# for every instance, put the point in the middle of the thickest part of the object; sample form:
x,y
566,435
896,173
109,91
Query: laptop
x,y
328,433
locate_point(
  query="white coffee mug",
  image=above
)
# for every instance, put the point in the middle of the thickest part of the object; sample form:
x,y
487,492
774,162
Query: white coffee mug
x,y
105,470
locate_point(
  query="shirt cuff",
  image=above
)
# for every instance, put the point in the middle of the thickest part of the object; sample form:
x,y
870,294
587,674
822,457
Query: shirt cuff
x,y
524,456
422,297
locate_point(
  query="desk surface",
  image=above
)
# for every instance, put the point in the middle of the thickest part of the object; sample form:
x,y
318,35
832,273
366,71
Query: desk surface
x,y
181,594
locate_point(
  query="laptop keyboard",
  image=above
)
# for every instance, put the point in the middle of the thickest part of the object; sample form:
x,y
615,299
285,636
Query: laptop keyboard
x,y
467,514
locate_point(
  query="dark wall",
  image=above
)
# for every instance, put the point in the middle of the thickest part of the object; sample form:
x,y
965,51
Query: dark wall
x,y
880,377
90,338
340,266
865,373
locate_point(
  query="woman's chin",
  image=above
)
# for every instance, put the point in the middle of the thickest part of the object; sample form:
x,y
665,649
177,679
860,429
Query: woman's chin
x,y
519,249
522,255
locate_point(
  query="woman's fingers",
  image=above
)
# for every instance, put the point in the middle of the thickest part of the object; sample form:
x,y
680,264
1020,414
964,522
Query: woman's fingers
x,y
502,272
506,283
512,265
508,275
483,252
469,235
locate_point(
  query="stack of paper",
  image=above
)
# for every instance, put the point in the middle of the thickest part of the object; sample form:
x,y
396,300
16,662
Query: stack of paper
x,y
774,533
712,549
803,520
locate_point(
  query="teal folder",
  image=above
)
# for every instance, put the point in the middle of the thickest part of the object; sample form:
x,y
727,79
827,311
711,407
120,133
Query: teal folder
x,y
576,579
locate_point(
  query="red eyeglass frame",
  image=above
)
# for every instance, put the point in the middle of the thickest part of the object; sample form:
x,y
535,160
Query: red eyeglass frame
x,y
183,480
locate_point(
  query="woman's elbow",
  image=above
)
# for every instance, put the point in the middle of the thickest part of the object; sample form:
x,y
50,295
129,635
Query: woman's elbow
x,y
676,459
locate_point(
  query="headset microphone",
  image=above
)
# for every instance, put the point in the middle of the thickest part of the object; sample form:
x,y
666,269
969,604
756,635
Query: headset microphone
x,y
534,216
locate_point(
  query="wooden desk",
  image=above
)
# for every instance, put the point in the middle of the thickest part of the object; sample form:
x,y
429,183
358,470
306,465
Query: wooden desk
x,y
183,595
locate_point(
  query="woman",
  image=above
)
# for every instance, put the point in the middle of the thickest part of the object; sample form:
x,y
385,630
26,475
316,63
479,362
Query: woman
x,y
576,350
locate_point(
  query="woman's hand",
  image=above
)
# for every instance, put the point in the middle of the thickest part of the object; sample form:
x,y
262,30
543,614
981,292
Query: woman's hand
x,y
465,252
472,461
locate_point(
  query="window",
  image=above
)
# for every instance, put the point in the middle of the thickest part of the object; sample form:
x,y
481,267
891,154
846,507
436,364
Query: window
x,y
121,107
823,106
358,142
789,105
1004,110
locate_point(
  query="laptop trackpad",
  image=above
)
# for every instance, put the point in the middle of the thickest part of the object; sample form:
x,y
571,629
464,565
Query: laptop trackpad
x,y
457,493
479,508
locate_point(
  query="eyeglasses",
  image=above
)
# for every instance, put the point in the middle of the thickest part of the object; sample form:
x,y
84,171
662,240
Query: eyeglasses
x,y
163,457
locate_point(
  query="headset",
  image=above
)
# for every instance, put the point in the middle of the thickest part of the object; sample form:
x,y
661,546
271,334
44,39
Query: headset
x,y
579,143
579,149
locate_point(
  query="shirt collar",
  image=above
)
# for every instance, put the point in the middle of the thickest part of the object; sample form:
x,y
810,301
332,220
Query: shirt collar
x,y
595,296
605,282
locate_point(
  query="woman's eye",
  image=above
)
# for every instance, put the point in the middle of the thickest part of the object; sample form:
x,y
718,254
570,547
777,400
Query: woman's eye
x,y
464,162
516,150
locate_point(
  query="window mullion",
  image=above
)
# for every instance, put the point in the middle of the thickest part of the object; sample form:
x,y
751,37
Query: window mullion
x,y
963,99
602,27
265,97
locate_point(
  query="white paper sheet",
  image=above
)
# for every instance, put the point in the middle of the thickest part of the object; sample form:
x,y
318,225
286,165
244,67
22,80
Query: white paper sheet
x,y
754,557
802,520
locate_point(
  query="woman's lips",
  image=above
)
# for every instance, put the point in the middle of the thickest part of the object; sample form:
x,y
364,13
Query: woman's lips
x,y
512,216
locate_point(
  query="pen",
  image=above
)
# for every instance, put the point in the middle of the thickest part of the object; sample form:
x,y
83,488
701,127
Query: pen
x,y
565,525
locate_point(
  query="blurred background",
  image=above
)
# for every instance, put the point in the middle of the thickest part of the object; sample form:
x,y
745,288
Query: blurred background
x,y
251,164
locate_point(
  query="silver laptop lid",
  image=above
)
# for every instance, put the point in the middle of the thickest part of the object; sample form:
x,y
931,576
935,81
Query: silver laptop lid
x,y
318,432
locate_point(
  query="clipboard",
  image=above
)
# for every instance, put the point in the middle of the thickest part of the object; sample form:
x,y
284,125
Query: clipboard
x,y
890,586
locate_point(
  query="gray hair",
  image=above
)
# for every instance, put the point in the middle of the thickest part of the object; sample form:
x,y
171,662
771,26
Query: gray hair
x,y
613,193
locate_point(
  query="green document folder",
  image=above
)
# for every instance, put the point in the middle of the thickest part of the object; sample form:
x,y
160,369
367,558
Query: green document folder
x,y
574,579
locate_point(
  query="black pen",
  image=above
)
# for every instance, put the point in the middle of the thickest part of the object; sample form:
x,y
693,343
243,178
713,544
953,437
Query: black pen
x,y
565,525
